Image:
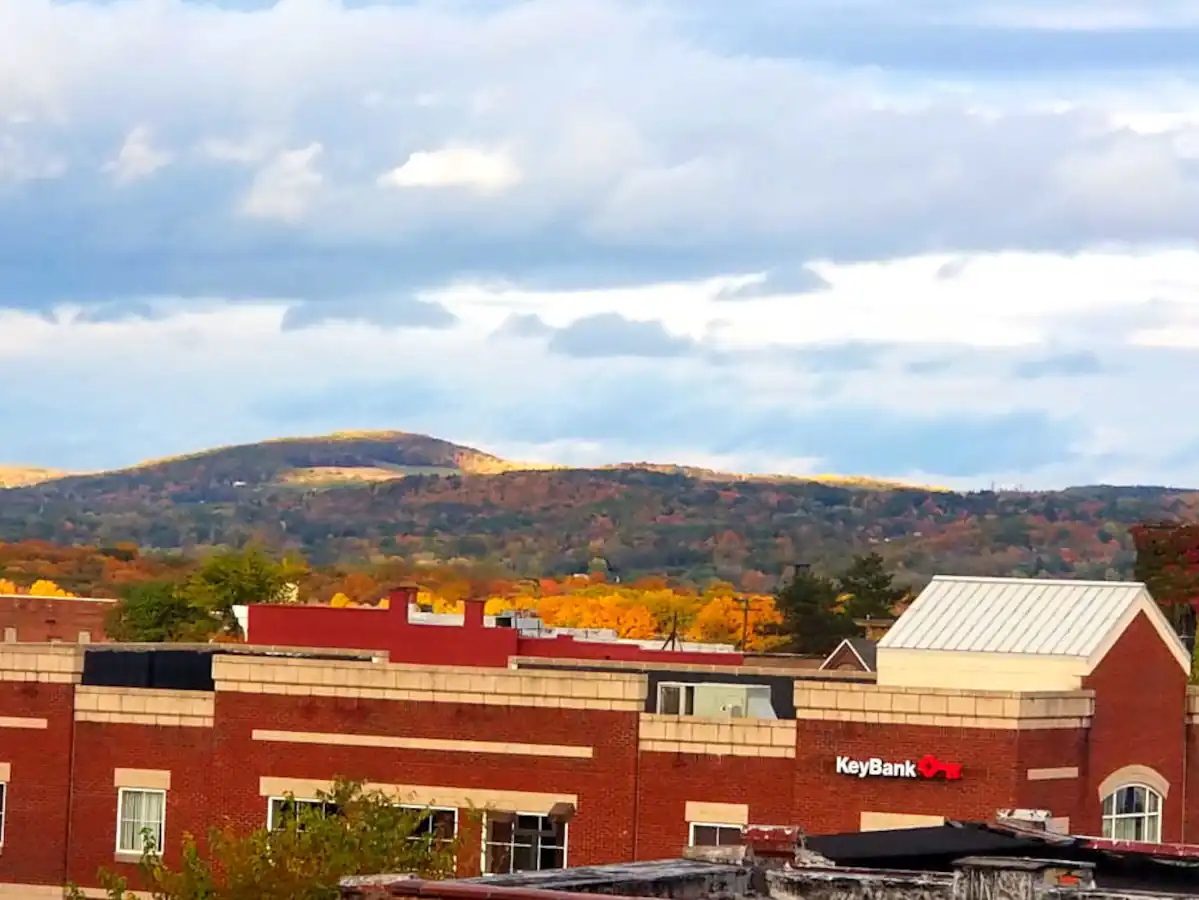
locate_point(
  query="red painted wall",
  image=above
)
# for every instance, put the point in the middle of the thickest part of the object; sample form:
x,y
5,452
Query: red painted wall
x,y
44,619
353,628
380,629
1139,691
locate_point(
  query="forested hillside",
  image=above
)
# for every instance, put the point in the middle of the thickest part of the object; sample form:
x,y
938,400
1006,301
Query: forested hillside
x,y
366,498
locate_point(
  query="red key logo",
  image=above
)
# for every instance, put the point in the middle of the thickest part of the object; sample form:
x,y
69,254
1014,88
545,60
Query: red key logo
x,y
931,767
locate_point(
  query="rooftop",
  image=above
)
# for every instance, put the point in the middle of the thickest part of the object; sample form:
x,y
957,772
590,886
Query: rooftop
x,y
956,861
1025,616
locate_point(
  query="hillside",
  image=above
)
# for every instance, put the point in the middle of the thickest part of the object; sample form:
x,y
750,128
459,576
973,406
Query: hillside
x,y
357,497
21,476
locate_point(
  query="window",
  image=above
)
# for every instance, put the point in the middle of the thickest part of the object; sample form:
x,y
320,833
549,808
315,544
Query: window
x,y
1133,813
281,809
440,824
140,818
704,834
676,699
523,842
716,701
3,806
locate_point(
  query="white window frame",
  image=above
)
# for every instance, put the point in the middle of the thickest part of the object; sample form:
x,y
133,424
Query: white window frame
x,y
719,825
511,846
312,801
1153,836
432,809
271,801
688,691
162,823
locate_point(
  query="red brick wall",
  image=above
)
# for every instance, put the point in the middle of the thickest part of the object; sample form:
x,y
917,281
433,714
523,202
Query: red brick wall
x,y
35,817
99,749
827,803
1190,833
43,619
604,784
1139,719
1053,748
666,781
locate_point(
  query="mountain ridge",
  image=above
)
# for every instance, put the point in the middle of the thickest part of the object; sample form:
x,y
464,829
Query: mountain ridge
x,y
469,460
363,497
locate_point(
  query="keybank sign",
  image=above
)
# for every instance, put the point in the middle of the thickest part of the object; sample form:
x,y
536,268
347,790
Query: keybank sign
x,y
927,767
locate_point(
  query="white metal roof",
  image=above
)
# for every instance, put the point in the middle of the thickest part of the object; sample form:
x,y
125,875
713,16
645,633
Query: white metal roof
x,y
1021,615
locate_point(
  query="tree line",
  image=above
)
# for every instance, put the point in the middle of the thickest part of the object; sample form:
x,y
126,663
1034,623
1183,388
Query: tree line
x,y
809,614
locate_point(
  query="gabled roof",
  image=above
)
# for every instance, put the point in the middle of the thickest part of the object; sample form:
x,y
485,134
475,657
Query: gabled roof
x,y
864,650
1078,619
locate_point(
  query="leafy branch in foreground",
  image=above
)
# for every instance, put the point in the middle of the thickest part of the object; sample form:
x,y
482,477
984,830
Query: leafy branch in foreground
x,y
309,849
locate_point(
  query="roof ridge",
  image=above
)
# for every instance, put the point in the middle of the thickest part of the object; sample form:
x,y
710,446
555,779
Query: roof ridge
x,y
1015,579
1038,616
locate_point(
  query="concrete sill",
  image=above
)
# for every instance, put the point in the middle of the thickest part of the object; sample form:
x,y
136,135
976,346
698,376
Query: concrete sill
x,y
123,857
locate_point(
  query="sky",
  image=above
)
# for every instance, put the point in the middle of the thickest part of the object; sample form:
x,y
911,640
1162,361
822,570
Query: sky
x,y
945,241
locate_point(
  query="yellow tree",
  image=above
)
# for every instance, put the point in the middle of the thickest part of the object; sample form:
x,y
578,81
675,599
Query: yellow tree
x,y
636,623
46,588
7,587
723,619
340,600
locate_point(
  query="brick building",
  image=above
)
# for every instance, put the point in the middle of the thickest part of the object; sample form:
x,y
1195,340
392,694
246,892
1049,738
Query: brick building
x,y
989,694
24,617
470,638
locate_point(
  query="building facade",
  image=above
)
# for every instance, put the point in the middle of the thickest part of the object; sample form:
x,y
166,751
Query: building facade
x,y
69,620
1064,697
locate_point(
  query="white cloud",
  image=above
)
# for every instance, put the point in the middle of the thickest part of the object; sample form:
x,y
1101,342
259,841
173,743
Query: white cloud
x,y
937,359
19,163
676,148
248,151
284,188
455,167
137,158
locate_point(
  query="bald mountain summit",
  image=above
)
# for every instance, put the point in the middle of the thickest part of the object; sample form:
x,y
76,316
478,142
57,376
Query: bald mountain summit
x,y
367,495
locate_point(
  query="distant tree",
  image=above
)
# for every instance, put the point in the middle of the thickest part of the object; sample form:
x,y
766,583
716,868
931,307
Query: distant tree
x,y
1167,561
43,587
159,611
869,588
241,577
349,831
812,618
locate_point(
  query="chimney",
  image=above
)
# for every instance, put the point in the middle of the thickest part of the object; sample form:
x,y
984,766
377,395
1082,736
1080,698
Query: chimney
x,y
472,613
400,599
874,629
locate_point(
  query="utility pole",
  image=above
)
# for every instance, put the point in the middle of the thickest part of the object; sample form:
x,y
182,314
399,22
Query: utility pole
x,y
744,601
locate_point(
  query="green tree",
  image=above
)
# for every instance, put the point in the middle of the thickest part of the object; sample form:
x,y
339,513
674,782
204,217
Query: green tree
x,y
350,831
813,621
159,611
870,588
240,577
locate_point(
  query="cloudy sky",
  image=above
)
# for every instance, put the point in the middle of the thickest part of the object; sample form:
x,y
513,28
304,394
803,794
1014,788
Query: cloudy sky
x,y
944,240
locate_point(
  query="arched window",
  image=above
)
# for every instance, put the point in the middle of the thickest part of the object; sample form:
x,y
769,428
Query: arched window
x,y
1133,812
